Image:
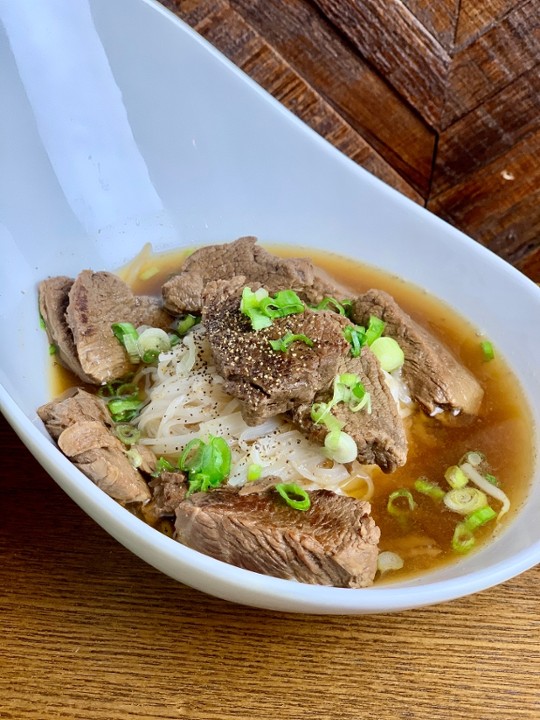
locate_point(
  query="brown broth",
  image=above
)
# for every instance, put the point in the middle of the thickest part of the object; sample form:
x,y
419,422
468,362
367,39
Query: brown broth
x,y
502,431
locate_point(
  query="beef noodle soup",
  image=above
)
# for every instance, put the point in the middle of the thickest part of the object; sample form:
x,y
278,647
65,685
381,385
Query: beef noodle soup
x,y
411,473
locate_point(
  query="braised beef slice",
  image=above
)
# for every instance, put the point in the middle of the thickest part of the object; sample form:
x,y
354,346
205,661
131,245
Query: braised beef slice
x,y
436,379
249,263
96,301
332,543
379,435
168,491
266,381
80,424
53,302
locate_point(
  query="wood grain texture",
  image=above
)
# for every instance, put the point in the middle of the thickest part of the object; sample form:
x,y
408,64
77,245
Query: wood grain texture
x,y
439,18
399,46
476,18
492,62
90,631
309,44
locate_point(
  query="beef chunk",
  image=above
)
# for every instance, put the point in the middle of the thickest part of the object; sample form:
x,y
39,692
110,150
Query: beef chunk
x,y
435,378
250,264
80,423
96,301
379,435
53,302
168,491
266,381
332,543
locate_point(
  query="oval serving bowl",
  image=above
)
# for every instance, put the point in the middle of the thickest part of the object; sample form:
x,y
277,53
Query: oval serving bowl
x,y
177,147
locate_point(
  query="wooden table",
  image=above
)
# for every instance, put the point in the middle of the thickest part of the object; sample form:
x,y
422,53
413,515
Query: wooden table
x,y
91,632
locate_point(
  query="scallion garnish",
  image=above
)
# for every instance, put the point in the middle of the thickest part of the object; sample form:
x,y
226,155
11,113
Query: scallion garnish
x,y
295,496
431,489
388,353
396,507
206,464
42,322
186,323
52,349
463,539
488,352
262,309
465,500
374,329
124,409
163,465
491,479
288,339
340,446
355,335
480,517
343,307
151,343
127,335
254,472
128,434
455,477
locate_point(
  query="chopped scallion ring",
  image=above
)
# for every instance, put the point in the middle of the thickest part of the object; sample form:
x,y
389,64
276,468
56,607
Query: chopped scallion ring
x,y
374,329
488,352
186,323
128,434
395,505
288,339
480,517
432,490
263,309
388,353
342,307
206,464
455,477
124,409
463,539
465,500
340,446
254,472
295,496
355,335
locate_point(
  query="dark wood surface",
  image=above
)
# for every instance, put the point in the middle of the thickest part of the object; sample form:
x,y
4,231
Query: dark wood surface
x,y
89,631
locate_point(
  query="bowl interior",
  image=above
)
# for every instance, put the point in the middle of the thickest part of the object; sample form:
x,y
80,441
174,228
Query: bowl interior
x,y
203,155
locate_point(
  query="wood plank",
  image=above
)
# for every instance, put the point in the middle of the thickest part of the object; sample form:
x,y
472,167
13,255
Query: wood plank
x,y
390,37
530,265
493,62
499,204
477,17
330,66
439,18
224,28
487,132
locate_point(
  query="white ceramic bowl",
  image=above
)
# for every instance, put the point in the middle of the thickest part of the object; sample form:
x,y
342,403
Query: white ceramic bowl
x,y
126,127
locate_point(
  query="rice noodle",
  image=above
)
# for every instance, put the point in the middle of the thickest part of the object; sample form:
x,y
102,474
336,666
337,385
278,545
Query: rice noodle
x,y
186,399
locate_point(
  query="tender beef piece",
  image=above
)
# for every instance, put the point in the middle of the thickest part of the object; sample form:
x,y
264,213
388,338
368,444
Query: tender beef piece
x,y
332,543
80,423
379,435
96,301
53,302
266,381
168,491
73,406
435,377
249,263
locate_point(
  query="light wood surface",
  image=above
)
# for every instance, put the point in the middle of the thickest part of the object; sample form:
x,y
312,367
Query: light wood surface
x,y
89,631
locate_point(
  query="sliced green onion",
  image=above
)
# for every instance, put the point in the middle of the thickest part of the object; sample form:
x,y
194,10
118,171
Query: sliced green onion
x,y
295,496
186,323
491,479
52,349
463,539
151,343
288,339
387,561
163,465
481,482
480,517
135,457
374,329
474,458
254,472
487,350
206,464
465,500
321,415
42,324
127,335
431,489
388,352
340,446
128,434
124,409
263,309
395,506
330,302
455,477
355,335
